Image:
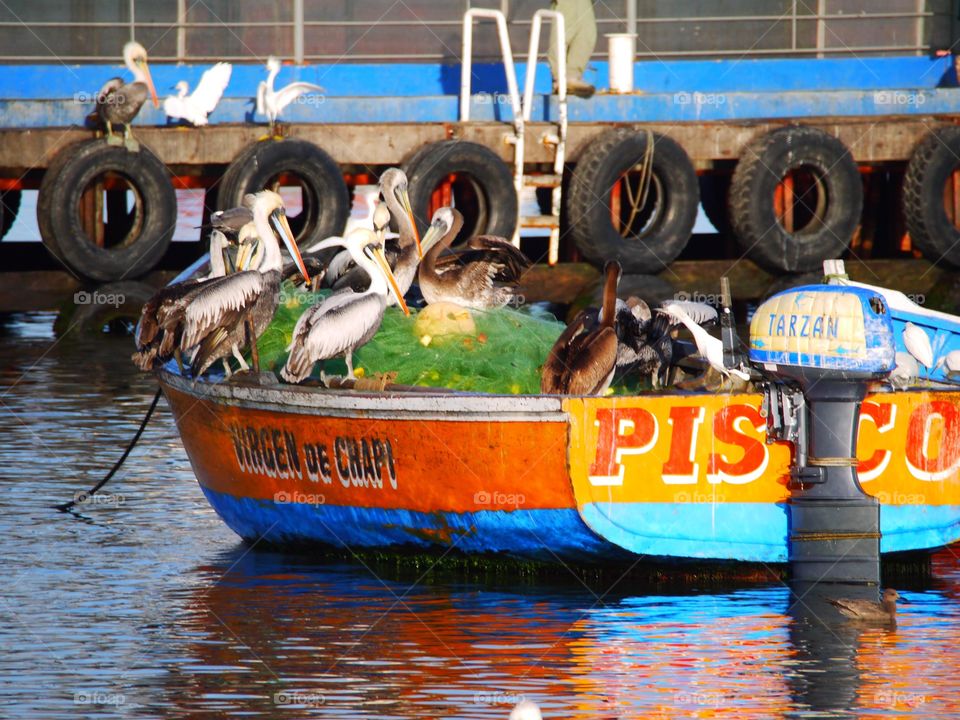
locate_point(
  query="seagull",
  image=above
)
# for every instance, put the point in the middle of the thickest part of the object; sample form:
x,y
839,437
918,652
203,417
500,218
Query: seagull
x,y
917,343
883,611
708,347
119,102
526,710
951,361
195,107
905,372
271,102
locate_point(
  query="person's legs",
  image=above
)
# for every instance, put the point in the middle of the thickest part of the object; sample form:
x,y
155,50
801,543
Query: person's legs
x,y
581,31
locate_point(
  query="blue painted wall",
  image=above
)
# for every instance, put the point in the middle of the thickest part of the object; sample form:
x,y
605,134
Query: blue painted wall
x,y
691,90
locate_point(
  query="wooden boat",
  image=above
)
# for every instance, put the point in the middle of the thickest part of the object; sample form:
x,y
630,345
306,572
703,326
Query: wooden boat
x,y
589,480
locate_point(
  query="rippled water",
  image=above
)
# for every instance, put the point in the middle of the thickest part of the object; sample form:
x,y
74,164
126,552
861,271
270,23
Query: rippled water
x,y
145,605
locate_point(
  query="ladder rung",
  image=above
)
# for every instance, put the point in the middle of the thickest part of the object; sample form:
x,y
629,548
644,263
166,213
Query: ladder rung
x,y
546,180
540,221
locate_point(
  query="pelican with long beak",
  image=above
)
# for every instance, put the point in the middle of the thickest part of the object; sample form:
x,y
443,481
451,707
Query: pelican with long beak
x,y
118,102
215,318
404,258
483,275
348,319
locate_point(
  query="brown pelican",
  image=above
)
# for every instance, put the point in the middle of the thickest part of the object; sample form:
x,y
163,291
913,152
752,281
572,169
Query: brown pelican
x,y
195,107
709,347
583,359
219,316
404,257
119,102
482,275
346,320
271,102
883,611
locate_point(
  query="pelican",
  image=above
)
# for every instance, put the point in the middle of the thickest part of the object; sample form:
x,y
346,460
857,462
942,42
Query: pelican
x,y
119,102
644,343
883,611
583,359
403,258
195,107
708,347
346,320
483,275
917,343
231,220
271,102
217,317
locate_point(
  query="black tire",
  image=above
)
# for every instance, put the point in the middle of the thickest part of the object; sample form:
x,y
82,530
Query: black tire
x,y
670,211
154,214
46,195
95,308
326,200
489,206
931,165
9,207
828,203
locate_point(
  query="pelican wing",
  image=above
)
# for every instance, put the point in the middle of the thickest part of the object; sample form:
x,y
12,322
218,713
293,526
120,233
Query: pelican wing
x,y
218,303
591,367
261,105
504,251
556,367
210,89
698,312
291,92
340,322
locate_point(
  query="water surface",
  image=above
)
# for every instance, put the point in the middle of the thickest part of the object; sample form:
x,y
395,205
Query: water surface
x,y
143,604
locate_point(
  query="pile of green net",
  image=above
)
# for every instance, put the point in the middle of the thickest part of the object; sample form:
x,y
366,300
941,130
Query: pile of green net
x,y
504,354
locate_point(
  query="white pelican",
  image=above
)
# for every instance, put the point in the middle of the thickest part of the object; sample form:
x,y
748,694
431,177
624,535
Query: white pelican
x,y
917,343
119,102
346,320
403,257
709,347
215,318
195,107
583,359
483,275
271,102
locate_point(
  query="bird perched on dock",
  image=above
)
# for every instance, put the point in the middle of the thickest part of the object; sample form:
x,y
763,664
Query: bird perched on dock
x,y
346,320
583,359
119,102
214,318
403,256
709,347
482,275
271,102
195,108
870,610
917,343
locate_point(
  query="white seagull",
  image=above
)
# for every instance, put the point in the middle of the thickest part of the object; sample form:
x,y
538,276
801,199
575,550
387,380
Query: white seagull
x,y
905,372
709,347
271,102
195,107
951,361
917,343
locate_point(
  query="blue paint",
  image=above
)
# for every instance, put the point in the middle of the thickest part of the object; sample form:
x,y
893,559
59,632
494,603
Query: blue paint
x,y
544,535
750,532
908,527
690,90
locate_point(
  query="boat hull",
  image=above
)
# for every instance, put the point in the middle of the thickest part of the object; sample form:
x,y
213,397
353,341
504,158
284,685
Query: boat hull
x,y
587,480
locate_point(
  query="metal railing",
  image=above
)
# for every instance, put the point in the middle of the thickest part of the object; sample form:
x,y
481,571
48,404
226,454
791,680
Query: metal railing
x,y
429,31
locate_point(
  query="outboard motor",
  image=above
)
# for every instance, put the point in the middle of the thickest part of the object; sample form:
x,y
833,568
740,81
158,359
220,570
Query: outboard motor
x,y
818,347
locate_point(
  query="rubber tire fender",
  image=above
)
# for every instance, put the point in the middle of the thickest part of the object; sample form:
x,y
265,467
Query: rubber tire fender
x,y
45,194
328,206
932,163
136,256
763,163
598,168
494,180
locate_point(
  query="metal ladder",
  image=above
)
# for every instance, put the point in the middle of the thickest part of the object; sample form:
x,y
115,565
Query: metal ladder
x,y
521,113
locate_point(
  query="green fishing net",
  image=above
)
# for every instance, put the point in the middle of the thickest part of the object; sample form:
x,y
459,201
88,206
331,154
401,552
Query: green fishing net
x,y
502,354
